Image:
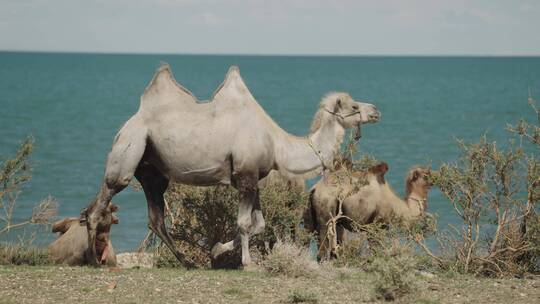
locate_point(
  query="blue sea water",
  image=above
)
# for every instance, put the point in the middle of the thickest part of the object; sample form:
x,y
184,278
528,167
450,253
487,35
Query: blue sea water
x,y
73,105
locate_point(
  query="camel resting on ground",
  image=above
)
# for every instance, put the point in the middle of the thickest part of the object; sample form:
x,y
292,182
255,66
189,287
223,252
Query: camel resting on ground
x,y
71,247
366,203
227,141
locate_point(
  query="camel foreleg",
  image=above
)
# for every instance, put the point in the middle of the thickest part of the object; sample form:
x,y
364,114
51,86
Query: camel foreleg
x,y
249,221
126,153
257,219
154,185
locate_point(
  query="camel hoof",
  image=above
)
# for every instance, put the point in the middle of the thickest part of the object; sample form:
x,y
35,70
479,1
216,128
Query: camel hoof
x,y
189,263
216,250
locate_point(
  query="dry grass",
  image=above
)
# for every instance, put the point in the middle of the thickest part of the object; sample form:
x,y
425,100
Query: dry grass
x,y
289,259
53,284
18,254
394,268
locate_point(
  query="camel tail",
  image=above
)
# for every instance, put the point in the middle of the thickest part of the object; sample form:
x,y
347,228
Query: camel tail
x,y
310,217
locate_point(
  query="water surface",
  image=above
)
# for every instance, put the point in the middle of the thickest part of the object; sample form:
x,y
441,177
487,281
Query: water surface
x,y
73,105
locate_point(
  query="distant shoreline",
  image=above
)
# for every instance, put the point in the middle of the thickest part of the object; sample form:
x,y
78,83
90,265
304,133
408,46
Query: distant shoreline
x,y
262,55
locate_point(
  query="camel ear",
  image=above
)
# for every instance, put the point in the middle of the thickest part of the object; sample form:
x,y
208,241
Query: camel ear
x,y
338,105
384,167
63,225
115,219
379,170
113,207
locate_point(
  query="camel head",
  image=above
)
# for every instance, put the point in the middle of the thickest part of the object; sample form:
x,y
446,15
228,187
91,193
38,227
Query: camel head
x,y
102,221
379,171
103,233
418,177
349,113
418,183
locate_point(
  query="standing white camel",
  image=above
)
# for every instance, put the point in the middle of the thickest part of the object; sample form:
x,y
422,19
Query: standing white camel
x,y
230,140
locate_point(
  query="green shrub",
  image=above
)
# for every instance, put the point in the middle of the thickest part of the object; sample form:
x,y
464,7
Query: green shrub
x,y
385,251
394,267
297,296
289,259
199,217
14,174
495,192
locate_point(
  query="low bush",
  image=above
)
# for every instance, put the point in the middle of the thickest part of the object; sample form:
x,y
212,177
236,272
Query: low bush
x,y
15,172
199,217
394,267
297,296
18,254
289,259
385,251
495,192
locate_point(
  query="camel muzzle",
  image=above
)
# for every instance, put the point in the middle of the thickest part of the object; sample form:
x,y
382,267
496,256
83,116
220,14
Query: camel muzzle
x,y
374,117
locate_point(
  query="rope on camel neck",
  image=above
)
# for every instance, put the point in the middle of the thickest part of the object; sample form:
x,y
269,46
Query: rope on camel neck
x,y
421,203
318,153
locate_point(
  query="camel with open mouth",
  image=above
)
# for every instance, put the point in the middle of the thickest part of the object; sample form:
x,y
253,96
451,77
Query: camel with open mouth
x,y
71,246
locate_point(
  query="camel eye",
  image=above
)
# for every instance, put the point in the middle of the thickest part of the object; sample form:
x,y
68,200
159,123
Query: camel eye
x,y
355,107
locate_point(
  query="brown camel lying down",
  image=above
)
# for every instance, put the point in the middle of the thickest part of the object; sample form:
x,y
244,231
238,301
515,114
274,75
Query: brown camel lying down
x,y
365,204
71,247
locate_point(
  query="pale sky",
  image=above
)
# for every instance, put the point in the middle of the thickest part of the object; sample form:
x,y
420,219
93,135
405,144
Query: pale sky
x,y
341,27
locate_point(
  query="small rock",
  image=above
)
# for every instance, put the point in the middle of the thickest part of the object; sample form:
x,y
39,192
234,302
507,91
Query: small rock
x,y
115,269
427,274
111,286
135,260
522,294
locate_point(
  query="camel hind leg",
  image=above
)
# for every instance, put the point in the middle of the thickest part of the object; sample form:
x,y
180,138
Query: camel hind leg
x,y
126,153
154,184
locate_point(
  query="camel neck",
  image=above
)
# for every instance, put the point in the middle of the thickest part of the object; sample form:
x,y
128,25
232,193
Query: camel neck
x,y
300,156
417,202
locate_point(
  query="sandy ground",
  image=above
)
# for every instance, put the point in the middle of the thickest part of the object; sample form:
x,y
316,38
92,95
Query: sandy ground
x,y
55,284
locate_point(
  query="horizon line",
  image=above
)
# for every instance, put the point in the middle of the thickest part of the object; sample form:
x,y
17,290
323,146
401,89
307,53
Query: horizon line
x,y
267,54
